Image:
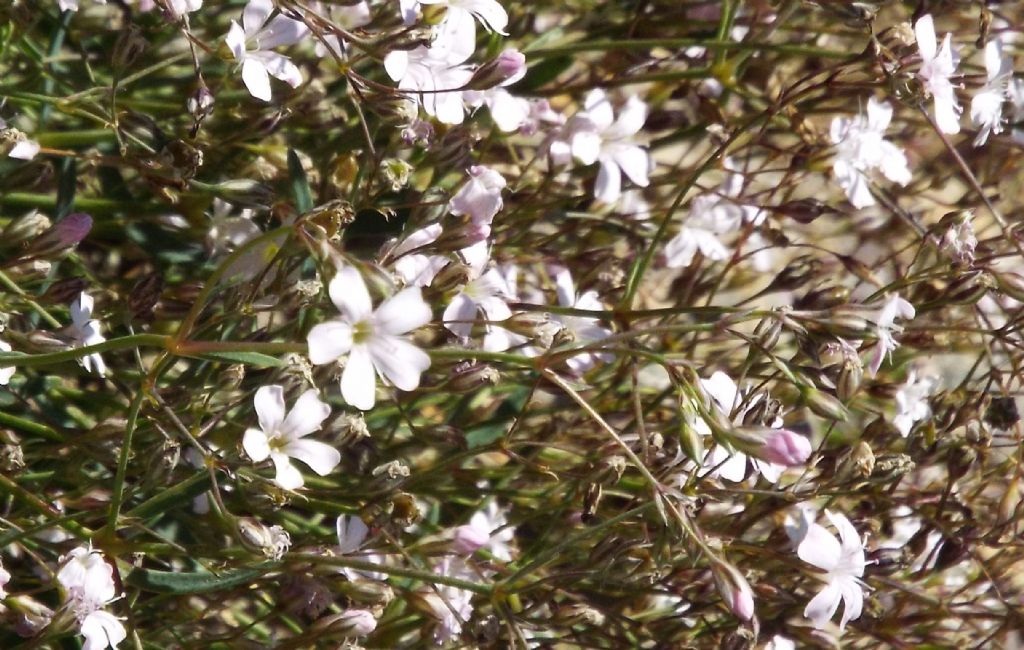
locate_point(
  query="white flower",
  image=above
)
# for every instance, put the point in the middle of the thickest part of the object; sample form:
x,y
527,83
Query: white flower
x,y
779,642
5,577
371,339
843,562
732,466
282,437
861,148
252,42
987,104
583,328
84,331
433,77
5,376
480,198
87,579
451,606
595,135
457,31
895,307
102,629
937,66
912,402
182,7
487,293
348,17
414,268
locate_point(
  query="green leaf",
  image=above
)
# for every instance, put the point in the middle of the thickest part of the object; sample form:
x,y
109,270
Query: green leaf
x,y
169,582
248,358
300,183
181,493
544,73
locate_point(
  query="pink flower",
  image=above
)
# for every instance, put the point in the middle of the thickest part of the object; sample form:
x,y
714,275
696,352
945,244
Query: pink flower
x,y
784,447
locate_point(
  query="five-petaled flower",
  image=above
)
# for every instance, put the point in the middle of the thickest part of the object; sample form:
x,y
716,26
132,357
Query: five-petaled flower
x,y
861,148
283,437
371,340
843,563
252,43
937,66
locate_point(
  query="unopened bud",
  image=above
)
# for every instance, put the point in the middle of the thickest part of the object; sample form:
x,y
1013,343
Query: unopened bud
x,y
579,613
24,228
690,440
850,375
471,376
824,404
273,541
200,103
61,236
734,589
468,539
861,460
349,623
848,323
64,291
1012,284
130,44
504,70
145,294
369,592
784,447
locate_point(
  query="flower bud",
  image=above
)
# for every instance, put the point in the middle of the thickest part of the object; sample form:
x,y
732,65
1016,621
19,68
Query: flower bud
x,y
64,291
734,589
200,103
24,228
468,539
783,447
350,623
63,235
824,405
850,375
144,295
272,541
470,376
129,45
767,332
504,70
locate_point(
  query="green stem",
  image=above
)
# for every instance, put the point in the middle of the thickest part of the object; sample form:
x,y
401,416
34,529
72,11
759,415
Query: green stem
x,y
7,486
717,45
401,572
124,343
117,494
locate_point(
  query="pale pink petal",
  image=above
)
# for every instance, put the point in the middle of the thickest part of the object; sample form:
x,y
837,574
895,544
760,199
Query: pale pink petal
x,y
255,14
820,548
256,78
352,533
608,186
823,607
633,161
924,31
459,315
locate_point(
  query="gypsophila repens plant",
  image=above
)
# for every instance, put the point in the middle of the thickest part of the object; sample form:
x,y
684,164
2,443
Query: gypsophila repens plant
x,y
510,324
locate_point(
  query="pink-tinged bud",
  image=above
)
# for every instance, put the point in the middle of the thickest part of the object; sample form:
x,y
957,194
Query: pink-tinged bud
x,y
61,236
735,590
504,70
350,623
468,539
785,448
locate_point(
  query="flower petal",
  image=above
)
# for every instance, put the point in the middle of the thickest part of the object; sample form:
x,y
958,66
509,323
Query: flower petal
x,y
823,606
820,548
400,362
256,78
269,402
288,476
350,295
924,32
320,456
352,533
608,186
306,416
329,341
359,379
256,445
403,312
